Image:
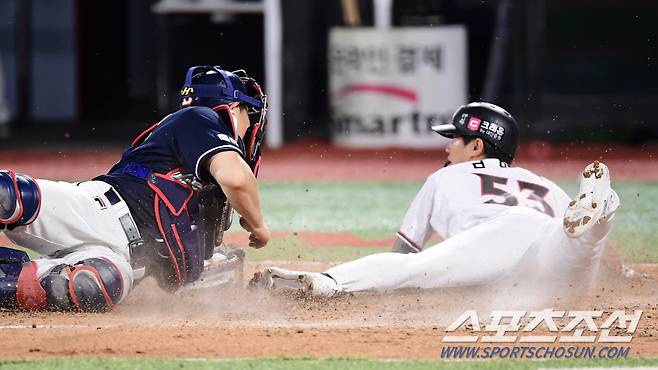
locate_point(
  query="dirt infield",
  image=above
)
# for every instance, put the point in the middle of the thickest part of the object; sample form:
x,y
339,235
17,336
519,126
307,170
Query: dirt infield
x,y
234,323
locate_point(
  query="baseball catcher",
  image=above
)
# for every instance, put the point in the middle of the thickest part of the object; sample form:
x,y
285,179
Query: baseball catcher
x,y
496,221
160,211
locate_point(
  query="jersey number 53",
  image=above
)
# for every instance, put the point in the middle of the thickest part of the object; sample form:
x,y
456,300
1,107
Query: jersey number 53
x,y
494,185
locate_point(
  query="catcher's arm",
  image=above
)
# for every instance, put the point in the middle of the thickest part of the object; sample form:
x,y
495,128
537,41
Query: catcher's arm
x,y
239,184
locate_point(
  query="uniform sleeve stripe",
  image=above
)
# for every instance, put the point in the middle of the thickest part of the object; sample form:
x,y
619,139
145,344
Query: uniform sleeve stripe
x,y
408,240
209,152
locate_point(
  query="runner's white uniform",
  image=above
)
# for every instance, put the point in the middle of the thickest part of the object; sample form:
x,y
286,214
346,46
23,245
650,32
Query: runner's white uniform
x,y
497,221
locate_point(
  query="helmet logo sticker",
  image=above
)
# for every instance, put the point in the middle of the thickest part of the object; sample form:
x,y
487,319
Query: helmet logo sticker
x,y
492,130
186,91
473,124
462,119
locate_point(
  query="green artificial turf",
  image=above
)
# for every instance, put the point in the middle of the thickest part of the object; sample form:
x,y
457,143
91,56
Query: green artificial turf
x,y
374,210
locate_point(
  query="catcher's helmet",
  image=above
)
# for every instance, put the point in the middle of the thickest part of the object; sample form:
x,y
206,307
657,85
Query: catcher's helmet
x,y
211,86
487,121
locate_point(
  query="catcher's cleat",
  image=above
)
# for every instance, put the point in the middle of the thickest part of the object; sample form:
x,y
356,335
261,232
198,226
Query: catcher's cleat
x,y
595,201
315,283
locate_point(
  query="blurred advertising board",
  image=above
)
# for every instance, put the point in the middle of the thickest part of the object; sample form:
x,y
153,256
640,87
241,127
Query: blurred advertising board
x,y
388,87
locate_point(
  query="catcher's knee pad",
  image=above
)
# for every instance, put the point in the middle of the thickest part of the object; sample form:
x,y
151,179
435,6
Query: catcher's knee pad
x,y
93,284
20,199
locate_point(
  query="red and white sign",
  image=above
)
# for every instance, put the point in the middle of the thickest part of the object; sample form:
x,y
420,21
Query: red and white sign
x,y
388,87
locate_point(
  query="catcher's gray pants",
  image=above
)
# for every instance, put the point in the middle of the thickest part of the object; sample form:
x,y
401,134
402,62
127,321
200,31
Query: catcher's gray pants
x,y
76,222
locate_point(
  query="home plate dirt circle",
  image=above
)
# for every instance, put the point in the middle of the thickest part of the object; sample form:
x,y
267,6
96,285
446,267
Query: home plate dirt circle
x,y
237,322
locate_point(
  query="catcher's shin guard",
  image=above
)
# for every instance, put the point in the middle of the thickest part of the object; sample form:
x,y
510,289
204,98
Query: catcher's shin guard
x,y
20,199
93,284
19,286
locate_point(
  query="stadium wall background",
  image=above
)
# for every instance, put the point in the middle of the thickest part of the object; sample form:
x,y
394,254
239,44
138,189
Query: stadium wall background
x,y
573,69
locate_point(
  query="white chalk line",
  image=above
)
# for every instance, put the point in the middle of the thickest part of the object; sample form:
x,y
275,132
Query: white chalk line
x,y
49,326
347,324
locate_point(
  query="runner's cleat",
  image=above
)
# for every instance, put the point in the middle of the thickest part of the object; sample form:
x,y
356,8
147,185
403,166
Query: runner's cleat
x,y
595,201
316,283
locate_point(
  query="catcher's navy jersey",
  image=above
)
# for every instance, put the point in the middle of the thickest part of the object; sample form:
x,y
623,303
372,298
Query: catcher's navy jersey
x,y
183,140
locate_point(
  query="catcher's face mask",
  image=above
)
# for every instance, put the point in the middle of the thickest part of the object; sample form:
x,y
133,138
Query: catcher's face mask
x,y
257,112
258,116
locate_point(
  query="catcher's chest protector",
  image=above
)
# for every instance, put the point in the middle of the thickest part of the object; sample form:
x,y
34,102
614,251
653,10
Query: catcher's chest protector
x,y
179,256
